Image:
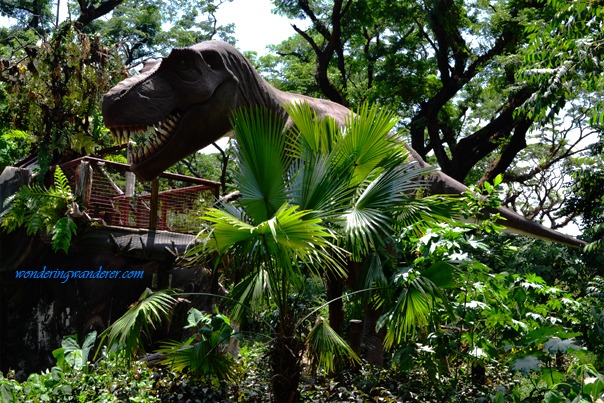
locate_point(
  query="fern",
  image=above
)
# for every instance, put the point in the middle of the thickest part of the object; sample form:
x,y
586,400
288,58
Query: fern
x,y
41,210
62,184
82,143
595,288
62,232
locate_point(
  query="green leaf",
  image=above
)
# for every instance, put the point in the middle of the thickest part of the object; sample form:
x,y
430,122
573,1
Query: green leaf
x,y
557,345
263,161
62,233
367,141
327,348
526,364
127,332
196,318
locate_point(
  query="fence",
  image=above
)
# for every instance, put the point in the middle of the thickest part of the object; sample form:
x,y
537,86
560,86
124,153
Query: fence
x,y
109,191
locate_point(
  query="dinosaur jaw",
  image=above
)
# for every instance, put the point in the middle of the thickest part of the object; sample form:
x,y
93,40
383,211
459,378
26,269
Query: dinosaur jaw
x,y
152,148
145,141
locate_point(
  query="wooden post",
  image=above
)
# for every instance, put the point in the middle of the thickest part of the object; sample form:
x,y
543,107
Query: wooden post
x,y
130,178
83,183
154,204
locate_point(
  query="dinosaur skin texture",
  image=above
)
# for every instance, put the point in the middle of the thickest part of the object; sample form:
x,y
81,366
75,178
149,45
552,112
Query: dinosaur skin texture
x,y
184,102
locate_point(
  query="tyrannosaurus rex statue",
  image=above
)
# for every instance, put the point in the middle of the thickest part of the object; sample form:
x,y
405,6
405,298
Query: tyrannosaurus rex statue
x,y
184,102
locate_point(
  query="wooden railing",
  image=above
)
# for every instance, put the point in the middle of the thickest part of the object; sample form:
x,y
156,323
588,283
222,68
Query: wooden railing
x,y
109,191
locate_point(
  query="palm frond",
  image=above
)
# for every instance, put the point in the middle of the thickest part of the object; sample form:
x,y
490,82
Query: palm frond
x,y
200,358
372,274
411,310
364,229
418,296
367,141
262,161
250,294
422,214
305,239
126,333
326,348
204,353
441,274
318,184
318,136
227,230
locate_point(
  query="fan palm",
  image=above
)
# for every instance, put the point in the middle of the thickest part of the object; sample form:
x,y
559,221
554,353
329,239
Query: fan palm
x,y
126,333
362,183
305,197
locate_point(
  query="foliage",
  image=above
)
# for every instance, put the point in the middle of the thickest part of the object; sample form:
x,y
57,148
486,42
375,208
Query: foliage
x,y
53,76
326,348
478,85
14,145
418,293
53,91
585,198
562,58
126,333
108,380
204,353
141,32
72,355
45,211
349,182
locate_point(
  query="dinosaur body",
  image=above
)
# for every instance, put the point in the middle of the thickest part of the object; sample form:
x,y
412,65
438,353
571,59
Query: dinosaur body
x,y
184,102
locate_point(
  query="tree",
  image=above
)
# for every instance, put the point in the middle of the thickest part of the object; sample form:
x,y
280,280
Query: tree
x,y
35,14
274,241
355,189
563,60
453,69
54,75
139,32
52,90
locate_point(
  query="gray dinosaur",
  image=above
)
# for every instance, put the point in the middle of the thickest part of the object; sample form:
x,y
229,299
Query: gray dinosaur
x,y
184,102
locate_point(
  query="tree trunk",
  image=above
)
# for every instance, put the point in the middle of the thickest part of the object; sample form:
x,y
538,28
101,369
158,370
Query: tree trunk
x,y
373,341
335,288
285,363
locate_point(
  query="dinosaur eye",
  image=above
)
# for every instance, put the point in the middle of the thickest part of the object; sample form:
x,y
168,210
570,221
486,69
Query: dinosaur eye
x,y
183,64
212,59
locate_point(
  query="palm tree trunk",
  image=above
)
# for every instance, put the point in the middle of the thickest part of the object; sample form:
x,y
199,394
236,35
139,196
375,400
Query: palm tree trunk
x,y
334,288
285,363
373,341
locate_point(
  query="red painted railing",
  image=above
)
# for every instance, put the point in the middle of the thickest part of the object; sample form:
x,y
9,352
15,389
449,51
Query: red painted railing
x,y
109,191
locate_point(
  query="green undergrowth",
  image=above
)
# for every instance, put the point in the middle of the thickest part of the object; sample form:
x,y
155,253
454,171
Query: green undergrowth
x,y
110,379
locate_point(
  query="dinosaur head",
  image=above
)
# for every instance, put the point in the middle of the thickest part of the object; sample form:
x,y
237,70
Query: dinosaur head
x,y
175,107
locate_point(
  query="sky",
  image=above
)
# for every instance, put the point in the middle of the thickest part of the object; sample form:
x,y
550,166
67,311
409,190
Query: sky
x,y
255,25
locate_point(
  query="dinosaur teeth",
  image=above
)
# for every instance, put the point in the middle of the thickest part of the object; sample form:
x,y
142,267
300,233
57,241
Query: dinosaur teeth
x,y
142,141
125,135
159,137
117,134
163,132
170,122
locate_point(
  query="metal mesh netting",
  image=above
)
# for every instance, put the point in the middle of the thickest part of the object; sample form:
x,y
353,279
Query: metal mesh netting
x,y
109,191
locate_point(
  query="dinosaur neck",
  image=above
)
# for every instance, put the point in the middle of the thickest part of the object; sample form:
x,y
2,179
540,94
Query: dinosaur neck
x,y
253,89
